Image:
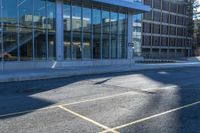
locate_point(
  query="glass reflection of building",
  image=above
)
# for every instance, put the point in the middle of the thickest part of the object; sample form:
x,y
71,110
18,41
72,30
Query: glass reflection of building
x,y
137,32
90,31
28,29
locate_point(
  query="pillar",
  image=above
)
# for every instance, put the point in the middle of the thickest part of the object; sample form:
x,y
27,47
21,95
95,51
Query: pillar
x,y
59,31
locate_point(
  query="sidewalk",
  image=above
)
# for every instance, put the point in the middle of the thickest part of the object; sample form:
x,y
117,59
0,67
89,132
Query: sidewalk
x,y
23,75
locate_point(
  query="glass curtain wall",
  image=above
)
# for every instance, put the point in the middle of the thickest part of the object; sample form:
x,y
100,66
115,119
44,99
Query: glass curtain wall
x,y
28,29
93,32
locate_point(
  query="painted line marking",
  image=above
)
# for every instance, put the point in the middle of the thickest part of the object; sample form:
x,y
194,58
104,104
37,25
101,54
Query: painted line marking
x,y
153,116
88,119
68,104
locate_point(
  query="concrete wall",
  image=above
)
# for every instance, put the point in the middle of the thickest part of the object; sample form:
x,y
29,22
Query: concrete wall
x,y
61,64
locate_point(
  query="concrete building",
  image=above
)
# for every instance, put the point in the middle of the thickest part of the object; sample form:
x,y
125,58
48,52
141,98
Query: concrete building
x,y
58,33
165,30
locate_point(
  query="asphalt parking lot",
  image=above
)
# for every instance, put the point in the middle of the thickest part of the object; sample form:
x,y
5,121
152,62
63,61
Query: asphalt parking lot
x,y
150,101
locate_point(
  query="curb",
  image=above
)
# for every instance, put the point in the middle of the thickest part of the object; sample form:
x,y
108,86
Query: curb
x,y
84,72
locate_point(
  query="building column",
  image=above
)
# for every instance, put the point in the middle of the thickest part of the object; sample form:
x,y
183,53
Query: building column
x,y
59,31
130,36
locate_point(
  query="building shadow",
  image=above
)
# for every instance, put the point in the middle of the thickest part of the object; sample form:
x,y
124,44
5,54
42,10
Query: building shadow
x,y
186,90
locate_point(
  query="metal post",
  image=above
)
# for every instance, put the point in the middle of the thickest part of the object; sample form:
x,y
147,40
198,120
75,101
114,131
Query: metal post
x,y
101,45
130,35
82,46
33,32
59,31
46,31
92,36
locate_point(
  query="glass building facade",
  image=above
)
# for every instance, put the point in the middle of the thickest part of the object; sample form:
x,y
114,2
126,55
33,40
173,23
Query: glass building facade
x,y
27,30
43,30
93,32
90,32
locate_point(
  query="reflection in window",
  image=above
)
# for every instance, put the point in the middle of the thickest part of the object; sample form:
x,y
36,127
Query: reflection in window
x,y
121,39
76,30
51,17
9,20
25,33
67,30
96,34
87,33
105,34
114,22
39,20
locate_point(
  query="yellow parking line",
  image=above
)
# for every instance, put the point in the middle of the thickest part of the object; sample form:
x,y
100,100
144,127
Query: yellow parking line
x,y
68,104
153,116
88,119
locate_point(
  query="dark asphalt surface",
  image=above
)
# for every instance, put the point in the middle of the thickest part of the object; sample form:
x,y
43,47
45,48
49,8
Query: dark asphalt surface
x,y
124,98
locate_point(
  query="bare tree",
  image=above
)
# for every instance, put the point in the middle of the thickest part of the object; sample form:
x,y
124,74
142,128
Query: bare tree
x,y
193,27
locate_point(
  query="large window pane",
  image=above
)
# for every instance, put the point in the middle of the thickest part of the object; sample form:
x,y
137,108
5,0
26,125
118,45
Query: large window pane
x,y
76,29
96,21
25,30
122,39
51,29
39,20
96,36
87,46
105,46
114,22
67,30
106,34
121,45
106,21
87,21
40,44
25,41
96,46
122,23
9,18
137,34
114,46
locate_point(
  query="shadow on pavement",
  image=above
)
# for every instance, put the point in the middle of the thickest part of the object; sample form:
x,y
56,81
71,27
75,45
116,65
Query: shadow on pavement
x,y
187,91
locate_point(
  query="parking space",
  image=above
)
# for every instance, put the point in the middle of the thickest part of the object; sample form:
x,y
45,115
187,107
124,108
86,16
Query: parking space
x,y
148,101
48,121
